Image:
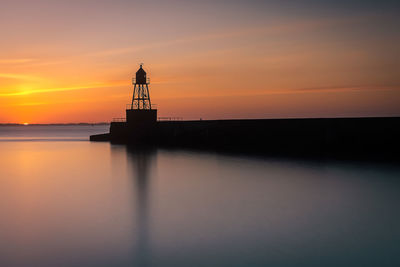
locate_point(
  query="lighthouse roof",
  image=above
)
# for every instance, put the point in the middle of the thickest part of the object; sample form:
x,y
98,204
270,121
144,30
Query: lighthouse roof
x,y
141,70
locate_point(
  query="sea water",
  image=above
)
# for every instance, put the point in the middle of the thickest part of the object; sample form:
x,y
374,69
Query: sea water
x,y
65,201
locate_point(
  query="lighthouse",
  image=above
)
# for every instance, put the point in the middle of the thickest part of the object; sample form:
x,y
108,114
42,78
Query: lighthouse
x,y
141,95
140,112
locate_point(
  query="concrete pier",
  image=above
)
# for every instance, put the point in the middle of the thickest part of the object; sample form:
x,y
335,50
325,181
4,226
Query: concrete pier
x,y
377,138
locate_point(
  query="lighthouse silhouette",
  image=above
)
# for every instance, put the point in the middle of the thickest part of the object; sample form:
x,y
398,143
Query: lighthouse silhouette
x,y
141,96
141,112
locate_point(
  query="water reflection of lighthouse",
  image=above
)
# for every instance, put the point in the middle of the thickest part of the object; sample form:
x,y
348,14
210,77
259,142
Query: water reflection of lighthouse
x,y
141,160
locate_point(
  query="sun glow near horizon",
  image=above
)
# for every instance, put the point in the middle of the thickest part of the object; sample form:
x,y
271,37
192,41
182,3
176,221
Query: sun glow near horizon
x,y
267,62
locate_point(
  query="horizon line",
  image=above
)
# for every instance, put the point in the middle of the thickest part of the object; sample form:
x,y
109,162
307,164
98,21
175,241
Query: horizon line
x,y
200,119
57,123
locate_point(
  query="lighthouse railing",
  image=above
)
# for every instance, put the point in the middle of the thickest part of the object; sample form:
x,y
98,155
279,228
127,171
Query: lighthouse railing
x,y
134,106
134,81
170,119
118,120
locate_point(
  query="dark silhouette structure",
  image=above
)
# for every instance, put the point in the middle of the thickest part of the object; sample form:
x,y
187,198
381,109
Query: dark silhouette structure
x,y
372,138
141,95
140,110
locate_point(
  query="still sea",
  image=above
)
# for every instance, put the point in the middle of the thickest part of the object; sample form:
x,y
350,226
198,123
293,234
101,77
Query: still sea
x,y
65,201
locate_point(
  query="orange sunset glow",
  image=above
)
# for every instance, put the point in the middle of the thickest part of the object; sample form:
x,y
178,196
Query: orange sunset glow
x,y
72,61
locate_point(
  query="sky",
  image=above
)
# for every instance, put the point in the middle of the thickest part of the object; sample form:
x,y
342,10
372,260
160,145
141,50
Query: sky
x,y
73,61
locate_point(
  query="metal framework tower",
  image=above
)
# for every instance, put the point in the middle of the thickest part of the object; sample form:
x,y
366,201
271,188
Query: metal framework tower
x,y
141,95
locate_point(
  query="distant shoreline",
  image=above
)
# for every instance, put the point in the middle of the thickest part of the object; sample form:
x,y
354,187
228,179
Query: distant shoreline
x,y
55,124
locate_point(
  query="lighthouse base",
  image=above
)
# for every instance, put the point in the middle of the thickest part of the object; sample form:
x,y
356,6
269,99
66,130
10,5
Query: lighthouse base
x,y
139,127
141,117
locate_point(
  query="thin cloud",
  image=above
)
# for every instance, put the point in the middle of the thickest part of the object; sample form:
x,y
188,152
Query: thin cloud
x,y
346,88
295,26
32,104
15,60
60,89
19,76
48,63
290,91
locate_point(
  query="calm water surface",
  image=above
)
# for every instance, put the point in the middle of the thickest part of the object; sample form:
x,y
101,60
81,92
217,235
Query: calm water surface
x,y
67,202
